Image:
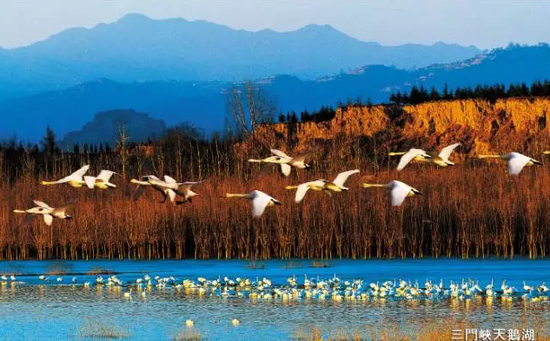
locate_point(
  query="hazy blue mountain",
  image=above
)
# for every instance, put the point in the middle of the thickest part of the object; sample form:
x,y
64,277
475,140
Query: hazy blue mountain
x,y
106,126
136,48
204,103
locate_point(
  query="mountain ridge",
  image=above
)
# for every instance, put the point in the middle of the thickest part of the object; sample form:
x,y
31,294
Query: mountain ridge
x,y
138,48
204,103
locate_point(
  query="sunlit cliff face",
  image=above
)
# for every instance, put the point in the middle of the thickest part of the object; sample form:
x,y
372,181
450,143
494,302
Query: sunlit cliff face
x,y
481,126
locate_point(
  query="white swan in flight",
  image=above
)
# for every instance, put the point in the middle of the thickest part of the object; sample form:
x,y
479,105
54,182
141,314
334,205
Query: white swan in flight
x,y
101,181
337,185
49,213
169,188
259,200
399,191
516,161
73,180
441,159
286,162
414,153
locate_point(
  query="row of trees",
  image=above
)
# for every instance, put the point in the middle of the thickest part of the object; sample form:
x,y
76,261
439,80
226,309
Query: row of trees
x,y
325,113
488,92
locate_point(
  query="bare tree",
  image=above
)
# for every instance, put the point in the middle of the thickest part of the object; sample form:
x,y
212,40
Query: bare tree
x,y
249,106
122,146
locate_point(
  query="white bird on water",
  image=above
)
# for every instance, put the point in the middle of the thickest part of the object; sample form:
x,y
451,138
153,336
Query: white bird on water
x,y
516,161
286,162
337,185
73,180
49,213
399,191
259,199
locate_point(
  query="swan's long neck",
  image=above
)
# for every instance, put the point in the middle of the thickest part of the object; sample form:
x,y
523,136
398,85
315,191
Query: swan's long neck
x,y
255,160
396,153
373,185
546,152
19,211
492,156
291,187
48,183
235,195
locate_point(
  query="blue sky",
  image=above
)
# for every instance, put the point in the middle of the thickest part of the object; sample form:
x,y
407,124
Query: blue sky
x,y
482,23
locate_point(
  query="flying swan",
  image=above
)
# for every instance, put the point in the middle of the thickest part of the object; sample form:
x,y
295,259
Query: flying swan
x,y
101,181
286,162
516,161
48,212
259,200
399,191
74,180
169,188
337,185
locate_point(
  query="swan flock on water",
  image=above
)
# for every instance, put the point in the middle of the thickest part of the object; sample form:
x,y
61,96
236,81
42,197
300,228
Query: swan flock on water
x,y
171,189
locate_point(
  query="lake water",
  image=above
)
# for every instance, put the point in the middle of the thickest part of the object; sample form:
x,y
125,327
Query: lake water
x,y
35,309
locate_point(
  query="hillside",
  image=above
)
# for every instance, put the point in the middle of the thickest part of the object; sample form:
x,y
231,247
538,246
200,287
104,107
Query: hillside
x,y
105,128
506,125
137,48
204,103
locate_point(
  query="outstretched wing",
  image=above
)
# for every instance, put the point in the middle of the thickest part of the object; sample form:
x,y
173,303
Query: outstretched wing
x,y
398,195
48,219
41,204
169,179
285,169
279,153
90,181
105,175
171,195
446,152
516,163
407,157
259,203
76,175
301,192
342,177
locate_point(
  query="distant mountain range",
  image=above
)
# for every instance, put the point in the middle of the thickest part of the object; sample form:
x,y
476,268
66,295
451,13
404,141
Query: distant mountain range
x,y
139,49
204,103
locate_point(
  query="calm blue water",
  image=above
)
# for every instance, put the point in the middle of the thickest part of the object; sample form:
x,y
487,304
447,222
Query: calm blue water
x,y
58,310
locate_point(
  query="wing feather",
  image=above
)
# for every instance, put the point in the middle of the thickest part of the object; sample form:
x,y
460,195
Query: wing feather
x,y
41,204
285,169
399,194
446,152
517,163
342,177
279,153
408,157
259,204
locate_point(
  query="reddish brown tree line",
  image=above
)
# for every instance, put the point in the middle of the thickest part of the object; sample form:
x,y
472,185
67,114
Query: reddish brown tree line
x,y
471,210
